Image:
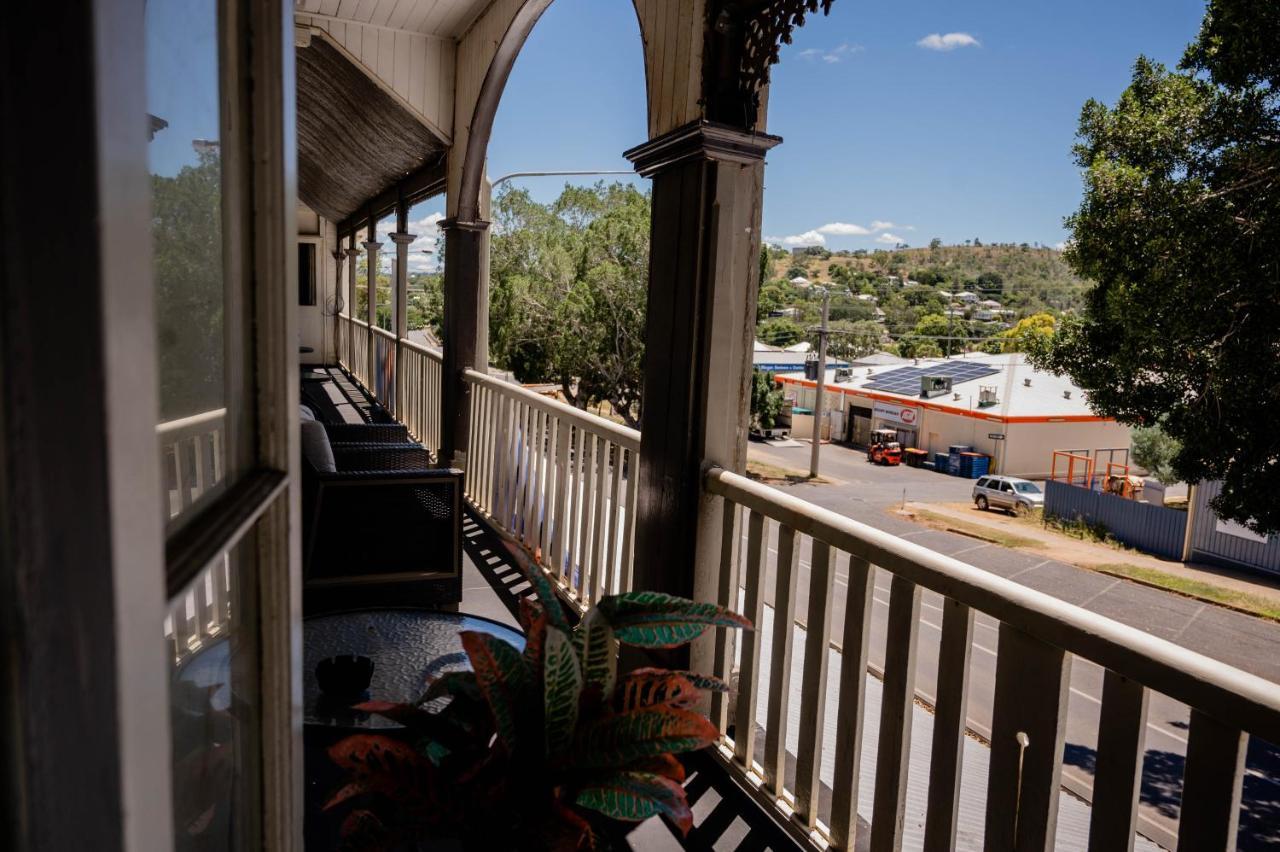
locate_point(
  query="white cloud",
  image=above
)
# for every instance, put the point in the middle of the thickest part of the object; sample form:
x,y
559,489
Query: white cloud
x,y
948,41
881,225
831,55
889,239
843,229
1059,246
426,232
808,238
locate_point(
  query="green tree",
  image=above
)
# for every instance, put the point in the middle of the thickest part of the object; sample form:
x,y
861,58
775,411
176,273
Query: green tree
x,y
780,332
852,340
568,291
186,231
766,399
940,328
1155,450
1180,228
1030,333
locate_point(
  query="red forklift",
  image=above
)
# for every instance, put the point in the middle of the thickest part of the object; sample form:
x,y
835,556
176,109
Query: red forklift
x,y
884,448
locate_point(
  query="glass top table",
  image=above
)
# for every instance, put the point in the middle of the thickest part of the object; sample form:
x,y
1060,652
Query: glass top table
x,y
408,647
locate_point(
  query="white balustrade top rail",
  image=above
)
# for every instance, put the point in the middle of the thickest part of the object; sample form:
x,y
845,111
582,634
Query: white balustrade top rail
x,y
172,431
615,433
1038,635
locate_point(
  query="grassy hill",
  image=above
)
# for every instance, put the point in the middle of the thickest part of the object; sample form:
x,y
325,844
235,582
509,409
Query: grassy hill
x,y
1031,279
901,298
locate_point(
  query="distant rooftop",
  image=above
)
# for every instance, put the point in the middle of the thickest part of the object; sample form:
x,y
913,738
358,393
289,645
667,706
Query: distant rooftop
x,y
1008,374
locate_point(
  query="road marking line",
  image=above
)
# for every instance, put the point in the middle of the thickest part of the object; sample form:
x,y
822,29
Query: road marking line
x,y
969,549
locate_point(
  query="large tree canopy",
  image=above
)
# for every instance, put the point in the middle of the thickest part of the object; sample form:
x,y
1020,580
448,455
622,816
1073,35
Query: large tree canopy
x,y
1180,229
569,287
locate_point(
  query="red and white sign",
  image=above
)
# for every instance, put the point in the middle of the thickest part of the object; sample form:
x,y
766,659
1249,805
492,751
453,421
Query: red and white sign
x,y
904,414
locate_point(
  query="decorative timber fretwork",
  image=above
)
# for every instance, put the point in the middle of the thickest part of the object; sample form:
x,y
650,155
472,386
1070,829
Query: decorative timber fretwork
x,y
743,39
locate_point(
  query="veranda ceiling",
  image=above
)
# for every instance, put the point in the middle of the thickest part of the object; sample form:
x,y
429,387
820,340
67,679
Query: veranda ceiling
x,y
355,139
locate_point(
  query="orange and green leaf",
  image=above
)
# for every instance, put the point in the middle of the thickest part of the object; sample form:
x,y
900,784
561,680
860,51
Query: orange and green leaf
x,y
648,687
657,620
598,651
562,688
504,679
627,737
636,796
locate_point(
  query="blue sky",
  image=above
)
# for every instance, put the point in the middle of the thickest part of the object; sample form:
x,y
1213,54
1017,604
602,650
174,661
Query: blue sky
x,y
880,130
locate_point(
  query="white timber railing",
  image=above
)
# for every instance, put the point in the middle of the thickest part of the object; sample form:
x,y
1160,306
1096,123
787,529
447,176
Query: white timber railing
x,y
192,454
359,357
418,380
383,377
1038,637
561,481
192,458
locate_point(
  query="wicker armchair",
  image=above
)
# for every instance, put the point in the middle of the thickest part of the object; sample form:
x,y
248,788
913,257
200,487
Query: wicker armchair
x,y
384,529
368,433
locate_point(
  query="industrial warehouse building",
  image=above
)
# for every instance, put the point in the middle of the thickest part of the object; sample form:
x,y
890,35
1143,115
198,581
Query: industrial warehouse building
x,y
997,404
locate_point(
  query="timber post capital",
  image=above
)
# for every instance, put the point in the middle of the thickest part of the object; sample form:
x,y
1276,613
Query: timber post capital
x,y
402,239
700,139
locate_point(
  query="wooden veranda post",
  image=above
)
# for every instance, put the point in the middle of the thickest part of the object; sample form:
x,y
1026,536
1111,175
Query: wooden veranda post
x,y
400,297
703,271
371,247
353,260
466,262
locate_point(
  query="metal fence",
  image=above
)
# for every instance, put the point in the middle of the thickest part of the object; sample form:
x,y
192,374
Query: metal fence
x,y
1222,542
1149,528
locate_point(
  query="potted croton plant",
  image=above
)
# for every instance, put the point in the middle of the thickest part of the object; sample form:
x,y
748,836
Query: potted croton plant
x,y
545,748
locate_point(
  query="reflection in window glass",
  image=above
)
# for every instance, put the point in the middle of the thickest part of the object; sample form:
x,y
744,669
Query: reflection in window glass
x,y
213,698
187,242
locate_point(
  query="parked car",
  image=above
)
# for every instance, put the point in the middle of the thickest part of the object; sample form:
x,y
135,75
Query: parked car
x,y
1007,492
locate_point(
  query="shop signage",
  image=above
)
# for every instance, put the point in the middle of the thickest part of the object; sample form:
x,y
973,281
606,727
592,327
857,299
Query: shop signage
x,y
995,436
904,414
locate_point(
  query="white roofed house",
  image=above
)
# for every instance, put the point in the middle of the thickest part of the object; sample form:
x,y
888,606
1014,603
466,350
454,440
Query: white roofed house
x,y
966,296
226,459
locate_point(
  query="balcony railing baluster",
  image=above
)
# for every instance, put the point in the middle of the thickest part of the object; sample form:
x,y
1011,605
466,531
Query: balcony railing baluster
x,y
947,752
1122,727
1211,784
784,617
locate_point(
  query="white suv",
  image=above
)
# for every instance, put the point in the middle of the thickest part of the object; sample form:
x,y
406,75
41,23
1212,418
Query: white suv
x,y
1019,496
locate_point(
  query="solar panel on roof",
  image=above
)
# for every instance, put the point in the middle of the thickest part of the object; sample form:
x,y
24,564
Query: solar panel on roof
x,y
906,380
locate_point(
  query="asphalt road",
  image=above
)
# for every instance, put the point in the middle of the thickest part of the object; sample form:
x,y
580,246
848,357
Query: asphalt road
x,y
867,493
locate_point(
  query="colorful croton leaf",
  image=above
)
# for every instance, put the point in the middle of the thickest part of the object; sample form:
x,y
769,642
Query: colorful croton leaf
x,y
615,741
598,651
504,679
561,690
636,796
657,620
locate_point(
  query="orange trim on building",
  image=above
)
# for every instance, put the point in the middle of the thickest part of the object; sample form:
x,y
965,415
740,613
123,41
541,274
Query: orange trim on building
x,y
942,409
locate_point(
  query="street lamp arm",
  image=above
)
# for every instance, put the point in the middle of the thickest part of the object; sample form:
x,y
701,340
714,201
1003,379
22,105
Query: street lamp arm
x,y
508,177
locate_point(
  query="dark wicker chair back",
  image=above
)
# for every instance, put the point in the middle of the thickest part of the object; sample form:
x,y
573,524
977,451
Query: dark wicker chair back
x,y
385,529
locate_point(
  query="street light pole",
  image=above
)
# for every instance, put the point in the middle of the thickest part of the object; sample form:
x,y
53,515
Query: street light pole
x,y
821,384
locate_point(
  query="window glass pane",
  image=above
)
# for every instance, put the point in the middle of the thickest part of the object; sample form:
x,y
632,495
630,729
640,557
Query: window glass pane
x,y
306,274
194,327
214,706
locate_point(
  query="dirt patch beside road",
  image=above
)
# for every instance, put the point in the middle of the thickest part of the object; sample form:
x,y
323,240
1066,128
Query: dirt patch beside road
x,y
1224,588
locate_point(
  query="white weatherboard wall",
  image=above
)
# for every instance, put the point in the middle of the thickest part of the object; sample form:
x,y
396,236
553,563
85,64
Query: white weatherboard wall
x,y
1031,445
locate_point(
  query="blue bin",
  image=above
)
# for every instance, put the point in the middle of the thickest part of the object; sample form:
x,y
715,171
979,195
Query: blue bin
x,y
956,449
940,462
973,465
953,464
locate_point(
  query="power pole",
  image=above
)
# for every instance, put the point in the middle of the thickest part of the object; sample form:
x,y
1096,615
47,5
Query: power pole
x,y
822,381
